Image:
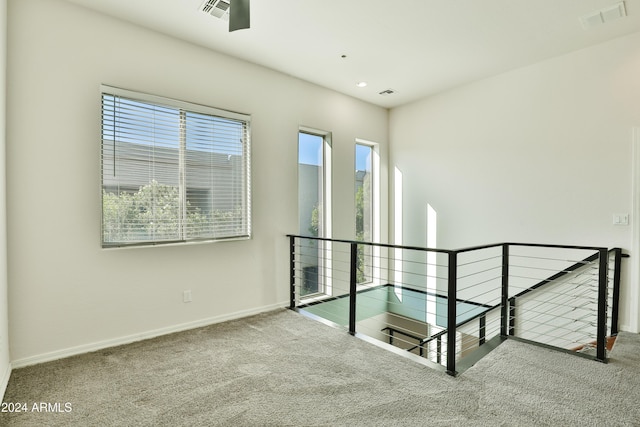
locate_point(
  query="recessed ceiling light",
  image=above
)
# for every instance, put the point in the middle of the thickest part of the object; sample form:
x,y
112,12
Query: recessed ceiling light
x,y
361,84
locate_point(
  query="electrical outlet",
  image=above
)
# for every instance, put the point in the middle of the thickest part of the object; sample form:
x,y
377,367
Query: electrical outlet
x,y
186,296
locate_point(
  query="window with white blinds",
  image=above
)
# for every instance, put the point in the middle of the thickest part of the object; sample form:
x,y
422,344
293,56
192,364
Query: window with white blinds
x,y
172,171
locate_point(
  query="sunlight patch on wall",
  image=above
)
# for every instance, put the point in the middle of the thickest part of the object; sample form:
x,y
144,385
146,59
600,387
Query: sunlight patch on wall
x,y
397,232
432,242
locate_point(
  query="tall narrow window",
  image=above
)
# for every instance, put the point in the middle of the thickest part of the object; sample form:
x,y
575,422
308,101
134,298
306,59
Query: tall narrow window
x,y
172,171
364,210
313,209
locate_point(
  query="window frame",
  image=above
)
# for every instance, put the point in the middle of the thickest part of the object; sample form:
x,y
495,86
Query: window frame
x,y
325,277
182,108
373,278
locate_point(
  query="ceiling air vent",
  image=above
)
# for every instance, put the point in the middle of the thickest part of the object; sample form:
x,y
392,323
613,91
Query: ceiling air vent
x,y
387,92
217,8
604,16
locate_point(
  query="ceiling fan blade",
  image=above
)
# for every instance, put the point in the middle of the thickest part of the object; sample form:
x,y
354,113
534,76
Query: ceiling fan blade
x,y
239,16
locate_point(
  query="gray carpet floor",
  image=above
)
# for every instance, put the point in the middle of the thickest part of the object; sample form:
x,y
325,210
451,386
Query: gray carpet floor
x,y
283,369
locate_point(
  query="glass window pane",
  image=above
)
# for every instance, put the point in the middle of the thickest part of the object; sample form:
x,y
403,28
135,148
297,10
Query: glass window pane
x,y
364,210
310,208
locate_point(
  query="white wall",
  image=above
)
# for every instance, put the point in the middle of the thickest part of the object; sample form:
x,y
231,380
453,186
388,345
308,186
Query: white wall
x,y
5,366
67,294
539,154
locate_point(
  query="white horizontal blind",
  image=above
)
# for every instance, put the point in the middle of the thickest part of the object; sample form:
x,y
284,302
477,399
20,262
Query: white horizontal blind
x,y
172,171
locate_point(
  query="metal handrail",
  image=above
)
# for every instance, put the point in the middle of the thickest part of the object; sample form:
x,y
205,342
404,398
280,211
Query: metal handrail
x,y
445,251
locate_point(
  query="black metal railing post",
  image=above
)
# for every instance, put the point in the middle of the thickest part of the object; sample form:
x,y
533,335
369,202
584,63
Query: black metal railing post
x,y
451,313
482,330
615,306
512,316
352,288
603,286
504,310
292,272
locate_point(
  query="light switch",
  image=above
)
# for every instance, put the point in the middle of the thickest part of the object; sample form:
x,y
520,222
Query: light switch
x,y
620,219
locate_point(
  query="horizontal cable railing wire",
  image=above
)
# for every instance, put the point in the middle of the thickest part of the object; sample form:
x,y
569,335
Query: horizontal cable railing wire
x,y
444,305
560,310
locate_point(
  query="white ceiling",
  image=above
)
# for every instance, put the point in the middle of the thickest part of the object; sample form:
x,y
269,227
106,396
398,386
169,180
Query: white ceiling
x,y
415,47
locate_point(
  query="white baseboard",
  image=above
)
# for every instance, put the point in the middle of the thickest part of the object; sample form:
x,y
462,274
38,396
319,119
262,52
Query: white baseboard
x,y
628,328
4,382
87,348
